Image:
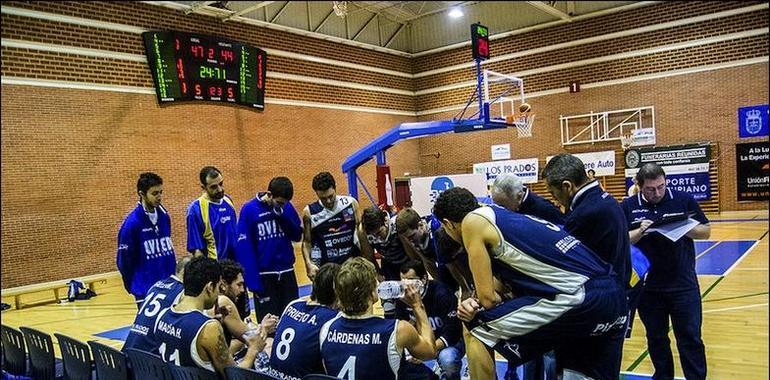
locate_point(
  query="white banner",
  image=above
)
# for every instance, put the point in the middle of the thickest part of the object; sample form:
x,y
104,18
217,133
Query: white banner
x,y
602,163
425,190
526,169
501,152
643,136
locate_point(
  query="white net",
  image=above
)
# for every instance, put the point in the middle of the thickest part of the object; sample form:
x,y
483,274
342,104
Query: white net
x,y
524,125
626,140
340,8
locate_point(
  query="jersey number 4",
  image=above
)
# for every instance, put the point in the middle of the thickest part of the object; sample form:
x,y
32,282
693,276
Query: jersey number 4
x,y
348,371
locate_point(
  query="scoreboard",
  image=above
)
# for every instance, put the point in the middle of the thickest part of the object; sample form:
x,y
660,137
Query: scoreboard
x,y
198,67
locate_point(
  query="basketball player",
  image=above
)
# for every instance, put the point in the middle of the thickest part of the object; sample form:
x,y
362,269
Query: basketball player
x,y
267,226
187,336
296,351
145,252
357,344
160,297
567,298
329,226
230,289
211,220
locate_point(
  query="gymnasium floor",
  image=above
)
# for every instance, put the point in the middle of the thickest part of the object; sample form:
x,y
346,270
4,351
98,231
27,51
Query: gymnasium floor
x,y
733,274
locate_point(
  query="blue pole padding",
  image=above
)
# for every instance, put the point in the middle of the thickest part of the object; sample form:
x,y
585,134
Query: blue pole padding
x,y
352,184
381,157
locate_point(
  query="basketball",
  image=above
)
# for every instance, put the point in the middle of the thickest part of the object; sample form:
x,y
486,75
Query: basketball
x,y
525,107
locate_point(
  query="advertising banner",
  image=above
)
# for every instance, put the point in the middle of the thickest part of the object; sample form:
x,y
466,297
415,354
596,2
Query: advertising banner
x,y
686,167
753,161
602,163
425,190
526,169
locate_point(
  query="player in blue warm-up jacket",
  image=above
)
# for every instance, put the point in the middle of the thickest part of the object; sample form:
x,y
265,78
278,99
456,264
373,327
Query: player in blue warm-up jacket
x,y
145,252
267,226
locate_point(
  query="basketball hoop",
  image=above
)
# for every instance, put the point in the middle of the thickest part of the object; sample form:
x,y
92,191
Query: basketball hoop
x,y
524,125
626,140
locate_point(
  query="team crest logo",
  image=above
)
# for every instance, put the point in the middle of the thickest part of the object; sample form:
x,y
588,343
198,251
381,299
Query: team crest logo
x,y
632,159
753,121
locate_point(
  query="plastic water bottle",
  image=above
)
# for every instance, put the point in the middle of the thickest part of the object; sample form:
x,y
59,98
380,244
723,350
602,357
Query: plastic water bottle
x,y
388,290
252,331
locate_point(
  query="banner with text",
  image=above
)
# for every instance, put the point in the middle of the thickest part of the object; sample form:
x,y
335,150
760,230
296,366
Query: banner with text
x,y
602,163
753,160
686,167
425,190
526,169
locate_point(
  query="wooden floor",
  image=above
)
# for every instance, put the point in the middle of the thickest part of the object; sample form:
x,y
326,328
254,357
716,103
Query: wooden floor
x,y
735,309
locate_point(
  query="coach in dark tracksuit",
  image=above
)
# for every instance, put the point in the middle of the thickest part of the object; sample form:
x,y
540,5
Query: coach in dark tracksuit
x,y
672,290
594,217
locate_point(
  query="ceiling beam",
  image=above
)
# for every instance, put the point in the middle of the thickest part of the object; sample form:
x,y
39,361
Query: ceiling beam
x,y
364,27
198,5
280,12
248,9
393,37
317,28
550,10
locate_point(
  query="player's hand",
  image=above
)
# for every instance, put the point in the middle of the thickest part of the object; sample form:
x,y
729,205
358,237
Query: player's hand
x,y
256,341
312,269
414,360
411,293
645,225
468,309
269,322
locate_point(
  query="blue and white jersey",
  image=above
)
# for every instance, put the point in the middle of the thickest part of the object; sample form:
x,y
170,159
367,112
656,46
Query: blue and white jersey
x,y
145,251
160,297
333,232
537,258
359,347
177,334
296,348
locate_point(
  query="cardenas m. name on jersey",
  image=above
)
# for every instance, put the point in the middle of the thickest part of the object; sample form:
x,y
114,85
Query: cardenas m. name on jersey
x,y
333,231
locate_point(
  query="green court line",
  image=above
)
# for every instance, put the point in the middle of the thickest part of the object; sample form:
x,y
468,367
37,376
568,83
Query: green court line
x,y
646,352
736,297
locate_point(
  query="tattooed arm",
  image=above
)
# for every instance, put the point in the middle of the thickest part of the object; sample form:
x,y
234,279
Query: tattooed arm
x,y
212,346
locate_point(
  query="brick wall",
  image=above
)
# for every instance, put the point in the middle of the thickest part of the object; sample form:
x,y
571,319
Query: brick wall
x,y
71,157
70,167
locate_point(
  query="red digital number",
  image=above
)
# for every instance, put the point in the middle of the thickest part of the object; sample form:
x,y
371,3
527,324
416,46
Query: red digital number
x,y
227,55
260,83
212,91
197,51
177,44
230,93
211,53
180,69
483,48
184,88
198,90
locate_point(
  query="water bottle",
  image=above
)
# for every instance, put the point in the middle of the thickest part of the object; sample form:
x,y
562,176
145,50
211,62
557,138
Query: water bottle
x,y
388,290
252,331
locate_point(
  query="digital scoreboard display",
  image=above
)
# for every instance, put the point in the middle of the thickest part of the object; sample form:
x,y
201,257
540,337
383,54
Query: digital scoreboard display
x,y
480,41
197,67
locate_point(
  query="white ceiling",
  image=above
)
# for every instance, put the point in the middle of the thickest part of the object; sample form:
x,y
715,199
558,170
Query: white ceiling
x,y
397,26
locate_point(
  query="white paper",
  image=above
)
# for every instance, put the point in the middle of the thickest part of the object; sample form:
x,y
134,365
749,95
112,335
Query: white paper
x,y
675,230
